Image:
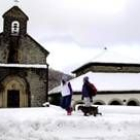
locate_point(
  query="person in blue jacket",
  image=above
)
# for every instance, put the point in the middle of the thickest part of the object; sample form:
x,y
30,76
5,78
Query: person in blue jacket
x,y
88,91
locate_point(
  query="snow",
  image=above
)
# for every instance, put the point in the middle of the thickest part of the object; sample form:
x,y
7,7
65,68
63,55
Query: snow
x,y
106,82
24,65
109,56
52,123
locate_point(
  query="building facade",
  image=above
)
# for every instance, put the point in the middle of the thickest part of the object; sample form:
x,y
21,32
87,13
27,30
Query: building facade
x,y
116,78
23,66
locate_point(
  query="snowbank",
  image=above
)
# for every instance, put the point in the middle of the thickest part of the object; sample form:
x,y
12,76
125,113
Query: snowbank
x,y
52,123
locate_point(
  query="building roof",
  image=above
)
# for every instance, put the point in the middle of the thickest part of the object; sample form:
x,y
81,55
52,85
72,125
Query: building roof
x,y
15,11
106,82
108,57
38,44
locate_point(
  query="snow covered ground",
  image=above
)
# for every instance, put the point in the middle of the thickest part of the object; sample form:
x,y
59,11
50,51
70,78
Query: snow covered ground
x,y
52,123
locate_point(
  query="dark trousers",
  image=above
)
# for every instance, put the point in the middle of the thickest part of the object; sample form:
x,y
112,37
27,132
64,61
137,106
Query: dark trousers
x,y
66,102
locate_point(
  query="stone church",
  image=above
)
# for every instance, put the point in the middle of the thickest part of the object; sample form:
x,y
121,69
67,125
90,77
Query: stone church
x,y
23,64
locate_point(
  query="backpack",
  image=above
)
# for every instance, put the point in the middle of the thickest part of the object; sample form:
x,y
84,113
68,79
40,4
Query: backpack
x,y
93,89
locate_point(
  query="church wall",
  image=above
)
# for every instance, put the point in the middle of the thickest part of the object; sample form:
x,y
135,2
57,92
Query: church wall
x,y
37,87
3,51
0,100
30,53
7,26
36,83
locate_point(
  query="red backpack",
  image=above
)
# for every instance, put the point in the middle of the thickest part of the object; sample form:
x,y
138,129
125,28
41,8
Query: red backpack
x,y
93,89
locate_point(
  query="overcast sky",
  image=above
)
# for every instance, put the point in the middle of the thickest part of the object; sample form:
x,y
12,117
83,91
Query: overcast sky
x,y
73,31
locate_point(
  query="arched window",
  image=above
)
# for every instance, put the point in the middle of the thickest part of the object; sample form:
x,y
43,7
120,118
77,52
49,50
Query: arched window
x,y
15,28
116,102
133,103
99,102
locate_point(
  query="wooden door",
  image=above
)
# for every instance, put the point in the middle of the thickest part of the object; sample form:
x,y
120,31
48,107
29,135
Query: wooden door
x,y
13,100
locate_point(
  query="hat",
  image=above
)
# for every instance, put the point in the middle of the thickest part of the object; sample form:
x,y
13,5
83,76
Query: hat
x,y
86,78
65,78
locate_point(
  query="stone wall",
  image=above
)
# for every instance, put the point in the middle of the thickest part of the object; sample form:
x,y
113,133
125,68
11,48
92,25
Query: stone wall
x,y
28,52
35,79
3,50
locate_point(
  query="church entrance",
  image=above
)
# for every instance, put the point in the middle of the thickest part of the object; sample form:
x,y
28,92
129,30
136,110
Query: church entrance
x,y
15,93
13,99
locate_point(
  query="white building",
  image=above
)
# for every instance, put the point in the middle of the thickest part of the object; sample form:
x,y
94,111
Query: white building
x,y
117,79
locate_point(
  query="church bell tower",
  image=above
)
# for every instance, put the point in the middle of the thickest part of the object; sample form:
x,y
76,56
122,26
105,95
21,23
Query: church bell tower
x,y
15,22
15,26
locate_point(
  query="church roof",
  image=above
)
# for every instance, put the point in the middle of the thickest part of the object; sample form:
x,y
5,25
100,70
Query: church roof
x,y
106,82
15,11
38,44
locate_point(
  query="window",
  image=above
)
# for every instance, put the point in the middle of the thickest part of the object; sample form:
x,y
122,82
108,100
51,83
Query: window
x,y
15,28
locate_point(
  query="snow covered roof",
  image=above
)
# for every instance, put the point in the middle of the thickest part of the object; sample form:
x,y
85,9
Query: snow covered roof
x,y
106,82
24,65
110,57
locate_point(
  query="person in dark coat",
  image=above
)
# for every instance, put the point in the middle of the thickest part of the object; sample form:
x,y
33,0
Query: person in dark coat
x,y
88,91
